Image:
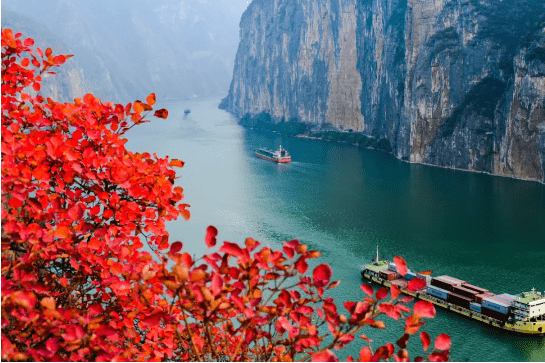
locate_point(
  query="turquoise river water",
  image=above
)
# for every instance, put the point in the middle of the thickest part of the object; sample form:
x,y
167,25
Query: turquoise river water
x,y
344,201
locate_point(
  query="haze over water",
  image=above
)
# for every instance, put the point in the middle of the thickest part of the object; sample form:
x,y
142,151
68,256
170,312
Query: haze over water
x,y
344,201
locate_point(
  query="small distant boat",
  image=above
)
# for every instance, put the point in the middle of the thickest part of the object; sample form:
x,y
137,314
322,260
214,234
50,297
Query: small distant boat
x,y
279,156
187,111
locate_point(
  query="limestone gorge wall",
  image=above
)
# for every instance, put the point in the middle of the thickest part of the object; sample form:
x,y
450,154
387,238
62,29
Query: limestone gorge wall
x,y
452,83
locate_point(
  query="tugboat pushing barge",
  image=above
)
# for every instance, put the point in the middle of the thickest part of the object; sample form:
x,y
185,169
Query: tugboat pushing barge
x,y
521,314
278,156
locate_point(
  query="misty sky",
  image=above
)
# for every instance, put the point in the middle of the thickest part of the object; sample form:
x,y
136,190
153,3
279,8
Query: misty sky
x,y
185,47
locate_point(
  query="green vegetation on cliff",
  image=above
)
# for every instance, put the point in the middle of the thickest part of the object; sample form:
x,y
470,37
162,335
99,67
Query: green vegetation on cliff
x,y
264,121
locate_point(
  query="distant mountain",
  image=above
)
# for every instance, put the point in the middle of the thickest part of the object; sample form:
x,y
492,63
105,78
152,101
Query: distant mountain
x,y
125,50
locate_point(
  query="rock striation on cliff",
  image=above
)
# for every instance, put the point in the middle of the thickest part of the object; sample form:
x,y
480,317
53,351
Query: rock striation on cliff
x,y
451,83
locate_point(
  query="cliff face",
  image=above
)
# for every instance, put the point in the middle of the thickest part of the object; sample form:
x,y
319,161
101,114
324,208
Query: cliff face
x,y
452,83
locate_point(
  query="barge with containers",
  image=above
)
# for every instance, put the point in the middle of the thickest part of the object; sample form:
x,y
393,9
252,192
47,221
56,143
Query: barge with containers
x,y
521,314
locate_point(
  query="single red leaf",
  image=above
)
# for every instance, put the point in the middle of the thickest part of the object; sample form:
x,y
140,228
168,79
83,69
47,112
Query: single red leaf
x,y
381,293
52,345
416,284
406,299
442,342
138,107
162,113
36,87
321,275
365,354
176,246
401,265
389,310
428,272
425,338
290,252
62,232
15,203
151,99
402,342
324,356
366,288
424,308
176,163
28,42
210,238
395,291
301,265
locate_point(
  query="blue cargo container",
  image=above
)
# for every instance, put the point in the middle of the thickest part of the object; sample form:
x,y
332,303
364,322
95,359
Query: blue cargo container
x,y
437,292
410,275
497,306
475,307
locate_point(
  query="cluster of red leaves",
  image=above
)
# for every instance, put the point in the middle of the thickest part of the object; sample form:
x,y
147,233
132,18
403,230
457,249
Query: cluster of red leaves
x,y
76,210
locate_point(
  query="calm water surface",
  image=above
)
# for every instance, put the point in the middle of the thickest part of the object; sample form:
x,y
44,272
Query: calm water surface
x,y
344,201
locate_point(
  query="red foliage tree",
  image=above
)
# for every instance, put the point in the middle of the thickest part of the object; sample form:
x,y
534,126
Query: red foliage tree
x,y
77,208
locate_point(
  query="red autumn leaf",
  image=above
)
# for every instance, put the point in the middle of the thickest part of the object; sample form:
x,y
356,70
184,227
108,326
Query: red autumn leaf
x,y
36,87
394,291
162,113
402,342
366,288
75,213
406,299
378,324
381,293
176,163
401,265
391,349
425,338
389,310
413,324
74,264
62,232
290,252
301,265
52,345
231,249
154,319
365,354
176,246
64,281
48,52
324,356
321,275
439,357
210,238
28,42
416,284
151,99
185,214
442,342
428,272
138,107
197,275
424,308
15,203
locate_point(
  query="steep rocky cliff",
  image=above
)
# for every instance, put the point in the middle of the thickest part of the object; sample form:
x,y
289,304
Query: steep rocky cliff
x,y
452,83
